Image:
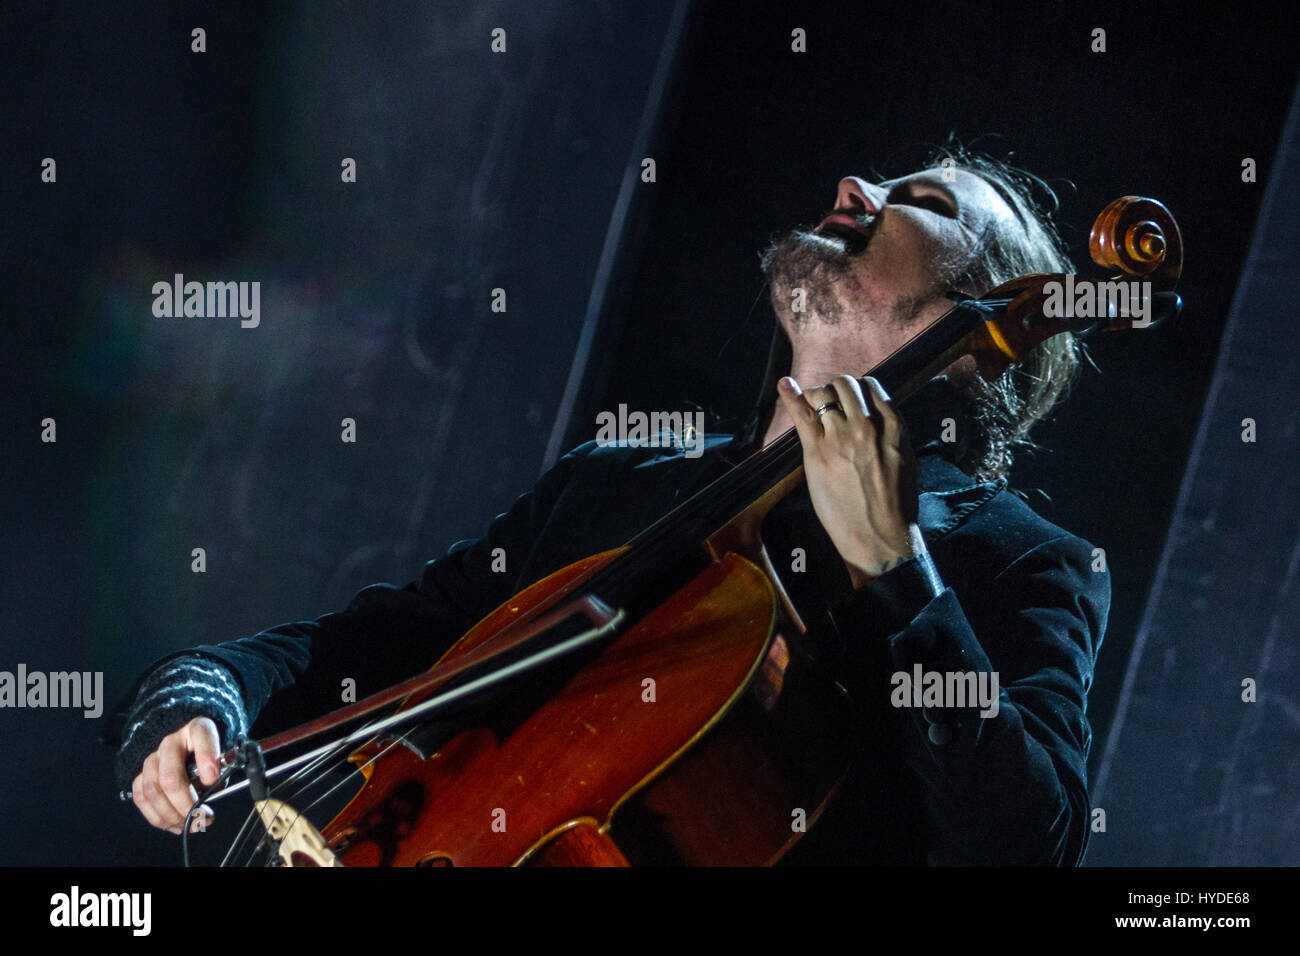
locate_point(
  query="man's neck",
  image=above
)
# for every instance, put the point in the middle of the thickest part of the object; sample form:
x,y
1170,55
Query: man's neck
x,y
810,371
818,359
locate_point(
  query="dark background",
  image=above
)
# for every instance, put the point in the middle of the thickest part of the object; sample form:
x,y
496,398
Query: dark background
x,y
477,171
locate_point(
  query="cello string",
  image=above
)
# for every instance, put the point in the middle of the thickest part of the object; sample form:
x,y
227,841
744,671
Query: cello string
x,y
520,666
316,753
252,820
337,753
300,812
467,690
317,771
240,838
359,768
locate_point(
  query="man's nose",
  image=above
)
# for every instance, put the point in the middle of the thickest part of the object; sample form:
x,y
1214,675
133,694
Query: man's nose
x,y
859,197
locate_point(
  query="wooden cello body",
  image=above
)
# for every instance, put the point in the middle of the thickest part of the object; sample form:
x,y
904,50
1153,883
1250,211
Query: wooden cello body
x,y
699,696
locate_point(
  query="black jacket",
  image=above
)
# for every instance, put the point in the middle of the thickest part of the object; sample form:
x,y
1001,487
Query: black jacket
x,y
1018,596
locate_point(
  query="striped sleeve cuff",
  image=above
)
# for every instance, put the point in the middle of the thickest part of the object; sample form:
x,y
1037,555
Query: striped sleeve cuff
x,y
175,693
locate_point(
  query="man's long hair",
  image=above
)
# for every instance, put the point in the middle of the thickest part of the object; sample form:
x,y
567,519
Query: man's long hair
x,y
1004,410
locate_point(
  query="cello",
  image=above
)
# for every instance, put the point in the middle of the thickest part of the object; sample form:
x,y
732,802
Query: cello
x,y
659,709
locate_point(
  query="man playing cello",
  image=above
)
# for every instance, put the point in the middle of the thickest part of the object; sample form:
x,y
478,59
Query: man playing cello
x,y
920,559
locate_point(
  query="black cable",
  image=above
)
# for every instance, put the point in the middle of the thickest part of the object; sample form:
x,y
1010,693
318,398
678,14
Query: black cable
x,y
185,829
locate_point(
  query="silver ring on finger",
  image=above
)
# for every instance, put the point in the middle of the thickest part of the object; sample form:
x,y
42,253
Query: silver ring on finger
x,y
826,407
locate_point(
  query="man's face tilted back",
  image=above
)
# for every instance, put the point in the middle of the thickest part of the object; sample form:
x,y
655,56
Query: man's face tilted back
x,y
876,270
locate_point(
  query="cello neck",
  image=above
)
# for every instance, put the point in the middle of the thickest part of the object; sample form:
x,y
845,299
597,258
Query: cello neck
x,y
901,374
746,492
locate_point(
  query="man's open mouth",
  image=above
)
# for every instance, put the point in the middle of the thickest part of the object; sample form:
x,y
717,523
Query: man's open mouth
x,y
843,225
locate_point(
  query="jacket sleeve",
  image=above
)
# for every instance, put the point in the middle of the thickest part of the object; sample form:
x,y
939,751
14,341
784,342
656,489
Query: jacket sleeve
x,y
384,635
1007,788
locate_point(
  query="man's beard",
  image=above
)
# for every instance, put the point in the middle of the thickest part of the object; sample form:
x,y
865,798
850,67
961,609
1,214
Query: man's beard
x,y
827,270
